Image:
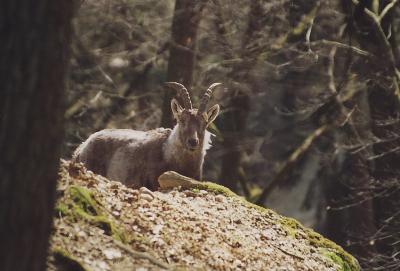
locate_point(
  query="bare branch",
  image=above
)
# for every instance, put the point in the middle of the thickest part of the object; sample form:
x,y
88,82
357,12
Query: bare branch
x,y
342,45
387,9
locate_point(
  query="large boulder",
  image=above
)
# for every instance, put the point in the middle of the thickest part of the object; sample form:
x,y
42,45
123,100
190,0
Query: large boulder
x,y
103,225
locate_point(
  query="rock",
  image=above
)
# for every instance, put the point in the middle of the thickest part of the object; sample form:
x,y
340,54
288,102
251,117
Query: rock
x,y
171,179
146,197
210,231
220,198
190,193
112,253
144,190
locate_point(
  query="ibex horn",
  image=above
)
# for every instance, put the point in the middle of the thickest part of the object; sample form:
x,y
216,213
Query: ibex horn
x,y
183,93
206,98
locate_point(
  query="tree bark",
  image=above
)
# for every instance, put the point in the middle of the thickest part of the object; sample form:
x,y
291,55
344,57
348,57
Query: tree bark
x,y
182,50
34,51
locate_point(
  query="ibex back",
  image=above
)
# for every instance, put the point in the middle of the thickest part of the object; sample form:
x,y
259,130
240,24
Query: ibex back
x,y
137,158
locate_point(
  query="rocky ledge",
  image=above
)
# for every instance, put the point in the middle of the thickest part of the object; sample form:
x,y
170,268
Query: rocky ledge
x,y
103,225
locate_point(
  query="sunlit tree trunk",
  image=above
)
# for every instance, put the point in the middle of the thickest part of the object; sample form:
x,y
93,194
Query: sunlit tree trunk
x,y
182,52
33,60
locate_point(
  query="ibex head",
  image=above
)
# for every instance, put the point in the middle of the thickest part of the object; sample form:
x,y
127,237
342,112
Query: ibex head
x,y
191,122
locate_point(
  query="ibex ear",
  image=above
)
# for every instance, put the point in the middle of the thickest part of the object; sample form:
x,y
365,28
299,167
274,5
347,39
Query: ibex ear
x,y
176,108
212,113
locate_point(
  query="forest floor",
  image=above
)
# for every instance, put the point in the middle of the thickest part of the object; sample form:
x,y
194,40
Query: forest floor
x,y
103,225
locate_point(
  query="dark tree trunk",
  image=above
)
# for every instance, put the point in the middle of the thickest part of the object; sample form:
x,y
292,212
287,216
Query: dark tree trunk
x,y
351,220
233,123
350,215
182,50
385,108
33,58
359,218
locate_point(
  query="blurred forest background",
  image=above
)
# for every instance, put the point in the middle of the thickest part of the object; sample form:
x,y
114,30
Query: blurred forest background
x,y
310,101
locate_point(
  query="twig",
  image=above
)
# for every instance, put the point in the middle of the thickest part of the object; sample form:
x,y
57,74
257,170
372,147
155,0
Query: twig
x,y
287,252
386,9
308,34
383,154
359,148
376,21
344,46
331,69
141,255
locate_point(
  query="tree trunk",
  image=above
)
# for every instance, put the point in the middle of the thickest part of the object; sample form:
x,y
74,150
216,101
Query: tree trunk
x,y
34,44
182,50
233,125
350,217
385,107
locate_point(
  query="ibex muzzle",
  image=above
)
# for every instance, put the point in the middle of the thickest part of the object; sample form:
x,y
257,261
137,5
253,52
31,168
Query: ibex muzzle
x,y
137,158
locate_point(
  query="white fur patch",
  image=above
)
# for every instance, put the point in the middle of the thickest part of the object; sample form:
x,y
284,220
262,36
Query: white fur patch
x,y
207,141
169,147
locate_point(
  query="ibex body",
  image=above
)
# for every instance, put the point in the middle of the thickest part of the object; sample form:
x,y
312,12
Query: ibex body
x,y
137,158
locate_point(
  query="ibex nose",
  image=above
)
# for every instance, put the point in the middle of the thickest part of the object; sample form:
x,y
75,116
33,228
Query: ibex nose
x,y
193,142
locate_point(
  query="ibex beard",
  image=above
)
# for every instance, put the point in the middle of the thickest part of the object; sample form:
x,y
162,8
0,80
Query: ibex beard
x,y
138,158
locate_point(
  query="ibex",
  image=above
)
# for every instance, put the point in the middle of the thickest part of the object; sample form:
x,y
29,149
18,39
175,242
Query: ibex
x,y
137,158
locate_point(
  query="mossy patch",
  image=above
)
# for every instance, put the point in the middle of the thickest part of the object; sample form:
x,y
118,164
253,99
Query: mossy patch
x,y
61,209
290,225
79,203
337,259
66,261
336,252
293,227
83,200
216,188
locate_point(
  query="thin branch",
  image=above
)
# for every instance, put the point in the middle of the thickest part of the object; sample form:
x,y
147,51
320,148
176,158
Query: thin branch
x,y
386,9
376,21
374,157
308,34
331,69
344,46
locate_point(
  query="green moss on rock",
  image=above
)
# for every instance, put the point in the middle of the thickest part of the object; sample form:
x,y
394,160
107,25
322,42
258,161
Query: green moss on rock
x,y
83,200
347,262
336,253
61,209
216,188
343,264
80,204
